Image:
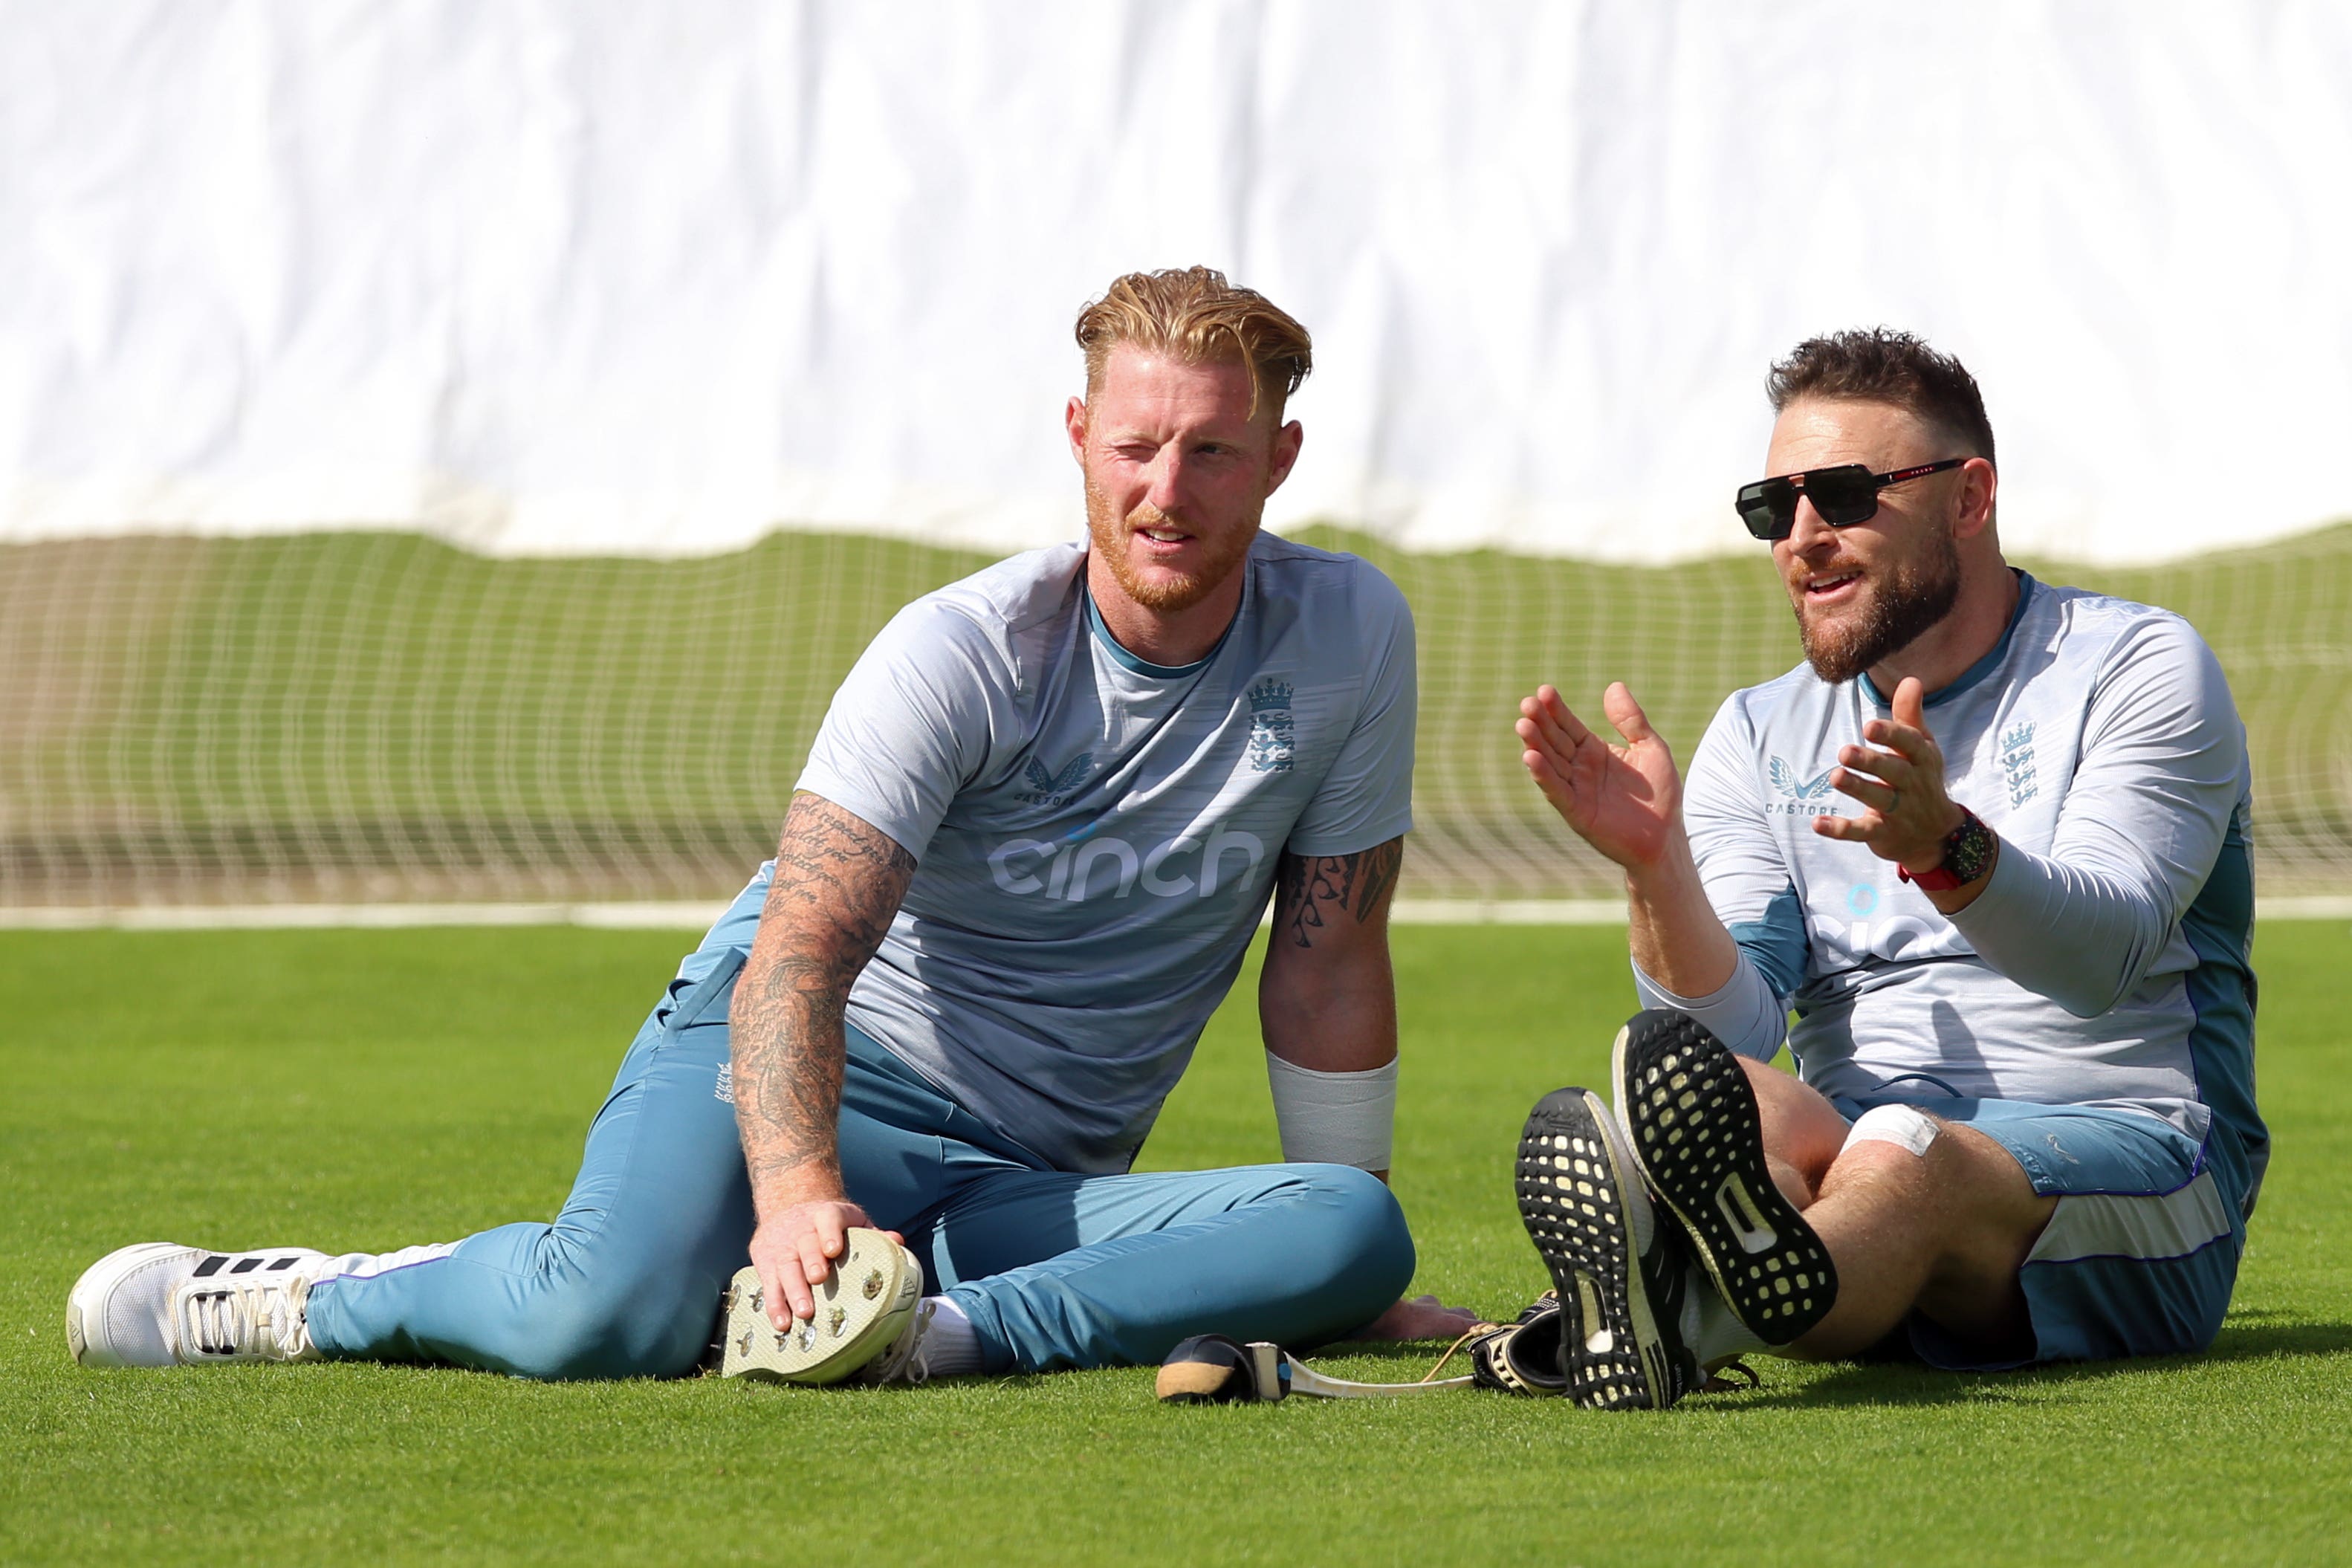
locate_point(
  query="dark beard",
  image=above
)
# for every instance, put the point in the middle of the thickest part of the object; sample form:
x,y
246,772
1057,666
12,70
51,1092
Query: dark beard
x,y
1914,598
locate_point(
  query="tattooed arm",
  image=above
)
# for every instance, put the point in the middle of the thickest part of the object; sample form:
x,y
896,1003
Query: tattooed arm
x,y
837,884
1327,998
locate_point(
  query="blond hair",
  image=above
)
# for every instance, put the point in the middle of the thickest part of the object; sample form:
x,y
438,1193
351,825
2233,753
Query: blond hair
x,y
1195,315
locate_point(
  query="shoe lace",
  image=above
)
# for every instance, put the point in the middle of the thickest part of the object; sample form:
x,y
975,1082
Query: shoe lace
x,y
1475,1330
246,1318
905,1361
1479,1331
1724,1376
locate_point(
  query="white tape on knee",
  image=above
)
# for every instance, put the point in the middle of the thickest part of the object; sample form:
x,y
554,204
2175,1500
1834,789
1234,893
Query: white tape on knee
x,y
1901,1125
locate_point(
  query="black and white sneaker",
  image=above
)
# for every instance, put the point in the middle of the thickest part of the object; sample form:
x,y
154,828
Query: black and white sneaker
x,y
1621,1305
1692,1120
1522,1357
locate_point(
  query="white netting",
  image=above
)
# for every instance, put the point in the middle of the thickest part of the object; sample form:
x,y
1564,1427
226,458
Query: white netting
x,y
609,279
378,717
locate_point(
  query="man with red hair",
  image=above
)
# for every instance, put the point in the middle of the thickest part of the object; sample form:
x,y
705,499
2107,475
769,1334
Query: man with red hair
x,y
906,1074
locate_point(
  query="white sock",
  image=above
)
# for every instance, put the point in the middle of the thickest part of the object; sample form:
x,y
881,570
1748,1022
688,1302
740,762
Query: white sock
x,y
950,1347
1709,1327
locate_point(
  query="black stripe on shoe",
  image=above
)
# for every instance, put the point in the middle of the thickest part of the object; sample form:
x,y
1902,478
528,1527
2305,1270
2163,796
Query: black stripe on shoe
x,y
1620,1339
211,1266
1695,1129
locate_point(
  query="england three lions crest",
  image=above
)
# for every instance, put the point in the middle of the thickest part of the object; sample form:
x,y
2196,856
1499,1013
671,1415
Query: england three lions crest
x,y
1272,739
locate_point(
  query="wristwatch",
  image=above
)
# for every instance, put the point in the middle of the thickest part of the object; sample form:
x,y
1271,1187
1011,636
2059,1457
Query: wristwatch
x,y
1968,854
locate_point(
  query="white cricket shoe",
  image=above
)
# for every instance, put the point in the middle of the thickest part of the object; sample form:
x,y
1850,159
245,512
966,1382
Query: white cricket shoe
x,y
869,1323
158,1304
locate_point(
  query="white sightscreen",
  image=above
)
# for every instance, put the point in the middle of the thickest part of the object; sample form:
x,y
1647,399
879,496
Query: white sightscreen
x,y
656,278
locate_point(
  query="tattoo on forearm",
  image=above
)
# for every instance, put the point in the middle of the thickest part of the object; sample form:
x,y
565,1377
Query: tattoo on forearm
x,y
838,882
1358,884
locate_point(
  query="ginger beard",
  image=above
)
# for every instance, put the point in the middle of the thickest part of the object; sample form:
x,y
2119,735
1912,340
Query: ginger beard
x,y
1158,589
1912,596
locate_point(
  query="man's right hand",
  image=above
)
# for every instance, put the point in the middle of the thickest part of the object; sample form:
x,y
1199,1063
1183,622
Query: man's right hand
x,y
1625,801
794,1248
838,881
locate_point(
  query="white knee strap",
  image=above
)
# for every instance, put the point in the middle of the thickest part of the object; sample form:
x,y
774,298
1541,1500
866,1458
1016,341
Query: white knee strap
x,y
1901,1125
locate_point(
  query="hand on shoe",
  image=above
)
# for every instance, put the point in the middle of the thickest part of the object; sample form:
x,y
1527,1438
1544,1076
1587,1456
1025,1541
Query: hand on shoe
x,y
1419,1318
1625,801
793,1250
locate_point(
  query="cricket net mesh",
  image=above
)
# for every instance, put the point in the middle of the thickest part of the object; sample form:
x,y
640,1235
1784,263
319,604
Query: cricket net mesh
x,y
376,717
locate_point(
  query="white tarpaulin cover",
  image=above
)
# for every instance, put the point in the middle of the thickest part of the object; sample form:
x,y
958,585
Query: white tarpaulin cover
x,y
613,276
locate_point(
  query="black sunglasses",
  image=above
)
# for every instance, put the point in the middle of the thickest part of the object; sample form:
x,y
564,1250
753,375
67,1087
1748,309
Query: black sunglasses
x,y
1844,496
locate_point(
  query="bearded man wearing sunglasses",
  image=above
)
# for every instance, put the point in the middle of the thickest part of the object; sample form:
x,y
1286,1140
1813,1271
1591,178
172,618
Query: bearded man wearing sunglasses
x,y
1989,842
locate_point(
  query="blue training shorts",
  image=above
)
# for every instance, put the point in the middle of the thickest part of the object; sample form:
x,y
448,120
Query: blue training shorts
x,y
2141,1254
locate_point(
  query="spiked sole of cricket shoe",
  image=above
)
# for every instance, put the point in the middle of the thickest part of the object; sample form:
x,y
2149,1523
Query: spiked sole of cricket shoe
x,y
860,1311
1571,1191
1692,1116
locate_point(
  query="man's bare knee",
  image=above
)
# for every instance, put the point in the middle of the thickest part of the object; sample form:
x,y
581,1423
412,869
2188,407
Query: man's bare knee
x,y
1964,1196
1899,1181
1965,1173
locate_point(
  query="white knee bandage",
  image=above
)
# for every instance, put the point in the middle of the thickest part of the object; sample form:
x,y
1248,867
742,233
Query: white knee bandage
x,y
1900,1125
1334,1118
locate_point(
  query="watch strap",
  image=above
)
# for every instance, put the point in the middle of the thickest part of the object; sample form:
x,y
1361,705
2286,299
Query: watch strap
x,y
1968,852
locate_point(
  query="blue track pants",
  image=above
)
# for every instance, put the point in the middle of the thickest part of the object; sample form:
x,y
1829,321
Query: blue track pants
x,y
1054,1270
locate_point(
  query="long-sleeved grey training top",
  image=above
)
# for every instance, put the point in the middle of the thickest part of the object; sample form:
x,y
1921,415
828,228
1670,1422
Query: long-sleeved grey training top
x,y
2107,962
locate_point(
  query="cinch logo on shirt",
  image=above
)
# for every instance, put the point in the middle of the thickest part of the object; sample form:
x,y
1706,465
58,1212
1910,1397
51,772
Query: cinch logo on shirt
x,y
1839,945
1112,867
1801,793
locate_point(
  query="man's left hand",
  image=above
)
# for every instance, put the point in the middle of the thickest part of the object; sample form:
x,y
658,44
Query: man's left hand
x,y
1906,813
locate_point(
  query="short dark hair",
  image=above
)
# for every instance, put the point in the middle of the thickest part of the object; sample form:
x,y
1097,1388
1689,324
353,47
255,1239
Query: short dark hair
x,y
1879,364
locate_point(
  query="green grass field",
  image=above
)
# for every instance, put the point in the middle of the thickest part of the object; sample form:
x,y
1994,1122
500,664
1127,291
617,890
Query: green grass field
x,y
371,1088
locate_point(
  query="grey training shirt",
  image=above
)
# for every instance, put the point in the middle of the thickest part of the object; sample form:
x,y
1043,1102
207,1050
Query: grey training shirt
x,y
2107,962
1095,836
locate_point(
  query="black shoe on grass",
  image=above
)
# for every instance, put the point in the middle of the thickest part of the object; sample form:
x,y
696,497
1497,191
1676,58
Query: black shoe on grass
x,y
1691,1118
1522,1357
1621,1345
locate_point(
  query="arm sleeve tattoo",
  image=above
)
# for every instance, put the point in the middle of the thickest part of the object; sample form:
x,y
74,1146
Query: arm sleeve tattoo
x,y
838,883
1310,891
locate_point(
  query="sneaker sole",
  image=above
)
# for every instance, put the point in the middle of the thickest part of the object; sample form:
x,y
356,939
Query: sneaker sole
x,y
1571,1198
1696,1132
875,1282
